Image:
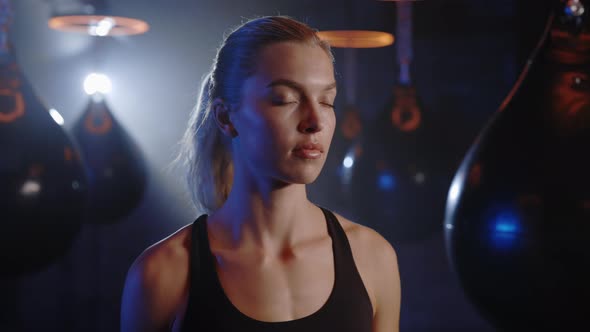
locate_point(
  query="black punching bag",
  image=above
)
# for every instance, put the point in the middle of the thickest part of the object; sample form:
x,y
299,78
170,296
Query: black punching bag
x,y
116,170
518,211
42,182
398,181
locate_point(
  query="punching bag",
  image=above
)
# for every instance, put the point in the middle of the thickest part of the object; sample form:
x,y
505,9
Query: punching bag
x,y
116,171
398,181
42,182
518,210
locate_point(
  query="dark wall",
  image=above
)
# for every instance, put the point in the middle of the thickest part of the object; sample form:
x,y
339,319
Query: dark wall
x,y
468,54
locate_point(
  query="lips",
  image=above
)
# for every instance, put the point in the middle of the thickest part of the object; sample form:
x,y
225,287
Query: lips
x,y
308,151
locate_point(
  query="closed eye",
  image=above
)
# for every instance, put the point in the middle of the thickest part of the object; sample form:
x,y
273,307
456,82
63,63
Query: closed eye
x,y
282,103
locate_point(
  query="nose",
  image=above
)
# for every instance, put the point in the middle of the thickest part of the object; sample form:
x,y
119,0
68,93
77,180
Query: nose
x,y
311,119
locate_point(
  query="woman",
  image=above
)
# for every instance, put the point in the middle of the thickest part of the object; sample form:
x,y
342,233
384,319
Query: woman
x,y
264,258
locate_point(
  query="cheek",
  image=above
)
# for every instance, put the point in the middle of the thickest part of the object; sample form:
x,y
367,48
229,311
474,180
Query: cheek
x,y
261,137
330,124
280,135
249,123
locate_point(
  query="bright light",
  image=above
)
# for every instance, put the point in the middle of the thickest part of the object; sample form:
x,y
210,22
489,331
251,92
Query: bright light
x,y
102,27
97,83
30,188
348,162
575,8
454,192
56,116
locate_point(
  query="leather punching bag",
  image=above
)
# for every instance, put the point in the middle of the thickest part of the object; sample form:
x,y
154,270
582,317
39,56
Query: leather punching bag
x,y
518,211
42,181
117,174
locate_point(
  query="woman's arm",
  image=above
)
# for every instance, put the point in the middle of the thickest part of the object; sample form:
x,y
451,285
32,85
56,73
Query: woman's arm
x,y
388,289
154,289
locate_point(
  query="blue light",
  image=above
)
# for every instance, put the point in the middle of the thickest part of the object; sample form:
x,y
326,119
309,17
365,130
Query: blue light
x,y
505,229
386,181
506,225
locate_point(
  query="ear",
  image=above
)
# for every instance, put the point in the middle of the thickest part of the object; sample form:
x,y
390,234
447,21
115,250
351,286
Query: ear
x,y
221,111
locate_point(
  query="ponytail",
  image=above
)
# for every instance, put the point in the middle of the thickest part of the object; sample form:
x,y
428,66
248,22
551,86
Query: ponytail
x,y
206,156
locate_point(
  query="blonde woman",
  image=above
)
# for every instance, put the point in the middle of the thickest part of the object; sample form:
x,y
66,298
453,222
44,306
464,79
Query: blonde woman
x,y
263,257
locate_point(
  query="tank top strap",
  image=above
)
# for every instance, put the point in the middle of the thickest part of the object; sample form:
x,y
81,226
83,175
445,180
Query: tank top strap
x,y
198,250
349,284
343,259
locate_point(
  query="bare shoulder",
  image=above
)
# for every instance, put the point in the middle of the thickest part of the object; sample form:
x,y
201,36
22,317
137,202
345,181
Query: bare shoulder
x,y
376,261
156,284
367,243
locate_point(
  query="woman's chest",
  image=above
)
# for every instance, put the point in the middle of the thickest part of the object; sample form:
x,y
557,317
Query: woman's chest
x,y
291,286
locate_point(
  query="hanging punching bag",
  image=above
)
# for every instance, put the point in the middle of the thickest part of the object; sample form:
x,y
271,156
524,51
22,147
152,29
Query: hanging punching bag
x,y
116,171
398,181
518,210
42,182
347,144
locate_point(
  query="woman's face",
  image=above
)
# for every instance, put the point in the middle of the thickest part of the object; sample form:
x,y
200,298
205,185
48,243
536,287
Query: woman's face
x,y
286,119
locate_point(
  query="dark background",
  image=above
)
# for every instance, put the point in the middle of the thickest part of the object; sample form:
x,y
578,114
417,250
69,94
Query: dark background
x,y
467,55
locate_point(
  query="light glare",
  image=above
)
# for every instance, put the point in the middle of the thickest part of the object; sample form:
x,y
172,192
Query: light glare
x,y
348,162
56,116
102,28
454,192
97,83
30,188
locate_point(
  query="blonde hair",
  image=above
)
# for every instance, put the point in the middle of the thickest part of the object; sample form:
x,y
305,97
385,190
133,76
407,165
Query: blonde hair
x,y
205,151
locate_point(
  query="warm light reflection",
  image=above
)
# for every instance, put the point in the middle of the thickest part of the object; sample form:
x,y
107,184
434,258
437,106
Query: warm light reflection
x,y
98,121
570,106
357,38
351,125
99,25
474,178
405,111
18,110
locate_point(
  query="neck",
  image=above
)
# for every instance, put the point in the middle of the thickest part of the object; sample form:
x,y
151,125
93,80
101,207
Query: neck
x,y
263,214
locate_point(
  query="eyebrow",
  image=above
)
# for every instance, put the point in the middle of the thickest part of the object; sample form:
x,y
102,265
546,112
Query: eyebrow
x,y
297,86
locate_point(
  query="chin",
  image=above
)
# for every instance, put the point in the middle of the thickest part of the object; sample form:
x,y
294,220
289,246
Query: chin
x,y
299,177
299,173
307,178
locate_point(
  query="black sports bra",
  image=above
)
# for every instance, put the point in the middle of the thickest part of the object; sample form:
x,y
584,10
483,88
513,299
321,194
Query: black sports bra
x,y
348,307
